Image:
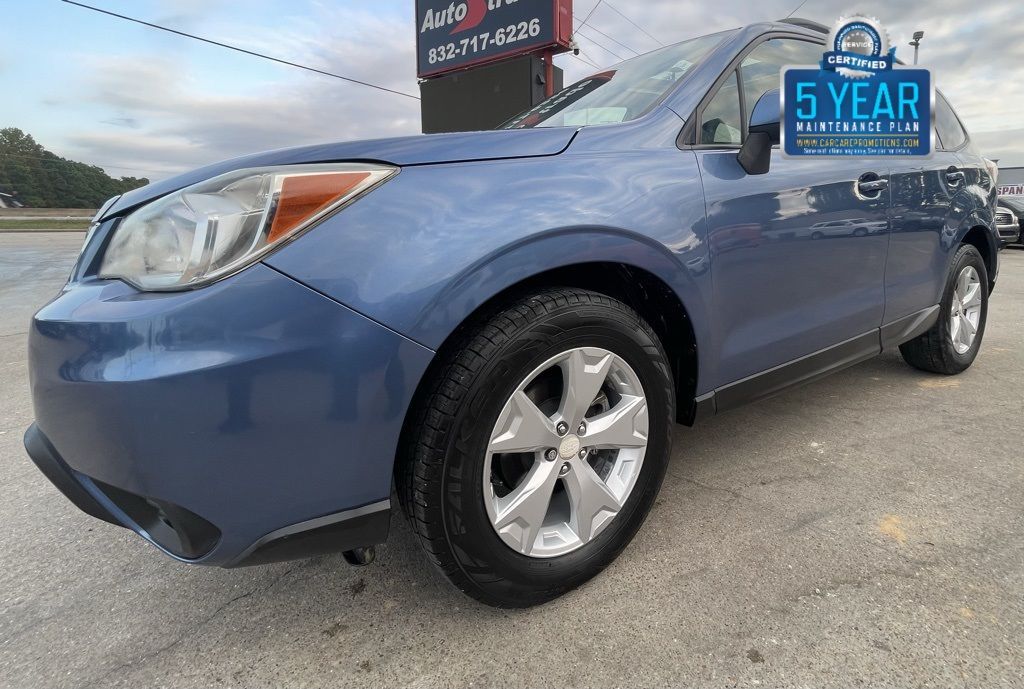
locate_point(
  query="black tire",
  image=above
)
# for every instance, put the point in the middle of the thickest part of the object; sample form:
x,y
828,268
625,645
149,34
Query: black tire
x,y
440,477
934,351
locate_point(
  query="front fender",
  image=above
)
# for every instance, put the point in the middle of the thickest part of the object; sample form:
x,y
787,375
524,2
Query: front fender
x,y
572,246
422,252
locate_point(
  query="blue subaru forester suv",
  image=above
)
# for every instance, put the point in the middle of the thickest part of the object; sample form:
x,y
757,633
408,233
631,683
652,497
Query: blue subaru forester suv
x,y
502,325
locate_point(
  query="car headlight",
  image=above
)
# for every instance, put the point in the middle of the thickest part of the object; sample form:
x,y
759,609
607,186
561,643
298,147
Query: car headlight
x,y
212,229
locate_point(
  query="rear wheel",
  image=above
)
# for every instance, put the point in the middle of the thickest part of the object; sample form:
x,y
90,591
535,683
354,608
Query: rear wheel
x,y
952,344
538,450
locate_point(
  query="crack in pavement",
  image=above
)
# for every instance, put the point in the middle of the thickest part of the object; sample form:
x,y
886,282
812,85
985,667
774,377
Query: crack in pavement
x,y
148,656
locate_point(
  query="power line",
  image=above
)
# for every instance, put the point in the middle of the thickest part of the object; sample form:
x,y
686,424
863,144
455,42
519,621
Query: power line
x,y
590,13
618,43
796,9
619,12
240,50
607,50
586,60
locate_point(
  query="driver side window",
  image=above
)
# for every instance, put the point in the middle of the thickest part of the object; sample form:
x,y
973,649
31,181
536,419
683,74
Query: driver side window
x,y
723,121
761,70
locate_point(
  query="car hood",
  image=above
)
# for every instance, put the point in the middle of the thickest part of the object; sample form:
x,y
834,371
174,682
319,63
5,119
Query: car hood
x,y
425,149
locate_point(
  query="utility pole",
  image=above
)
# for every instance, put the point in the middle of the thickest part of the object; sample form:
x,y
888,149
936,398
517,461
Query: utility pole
x,y
918,35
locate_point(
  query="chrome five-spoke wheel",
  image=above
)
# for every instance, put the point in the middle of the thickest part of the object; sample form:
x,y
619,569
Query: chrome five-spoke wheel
x,y
565,452
965,311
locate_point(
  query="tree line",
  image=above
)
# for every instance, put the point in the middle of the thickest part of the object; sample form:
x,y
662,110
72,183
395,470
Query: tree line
x,y
40,179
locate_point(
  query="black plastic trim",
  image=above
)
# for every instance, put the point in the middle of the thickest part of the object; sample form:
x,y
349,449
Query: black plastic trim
x,y
908,327
798,372
703,408
356,528
45,456
177,530
96,241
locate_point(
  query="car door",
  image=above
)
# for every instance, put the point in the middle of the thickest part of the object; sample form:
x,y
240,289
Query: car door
x,y
922,200
784,288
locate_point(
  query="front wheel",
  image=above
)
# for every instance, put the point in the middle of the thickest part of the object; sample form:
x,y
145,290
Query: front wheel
x,y
540,446
952,344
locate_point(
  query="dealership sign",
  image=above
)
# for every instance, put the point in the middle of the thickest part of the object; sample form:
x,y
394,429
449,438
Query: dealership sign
x,y
466,33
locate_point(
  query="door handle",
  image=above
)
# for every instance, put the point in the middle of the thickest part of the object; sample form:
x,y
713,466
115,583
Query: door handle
x,y
870,183
954,176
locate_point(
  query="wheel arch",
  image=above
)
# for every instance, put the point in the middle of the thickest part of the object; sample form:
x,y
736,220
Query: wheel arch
x,y
980,237
648,295
633,269
642,290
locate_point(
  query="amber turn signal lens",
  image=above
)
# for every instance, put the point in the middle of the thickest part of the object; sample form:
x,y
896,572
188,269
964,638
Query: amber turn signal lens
x,y
303,196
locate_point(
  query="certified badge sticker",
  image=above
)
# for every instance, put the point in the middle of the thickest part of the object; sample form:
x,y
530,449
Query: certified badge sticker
x,y
857,101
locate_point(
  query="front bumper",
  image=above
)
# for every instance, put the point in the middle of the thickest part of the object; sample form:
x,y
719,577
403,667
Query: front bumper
x,y
1008,234
250,421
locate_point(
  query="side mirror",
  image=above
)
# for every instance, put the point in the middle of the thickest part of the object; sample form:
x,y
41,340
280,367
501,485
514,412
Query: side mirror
x,y
765,117
756,155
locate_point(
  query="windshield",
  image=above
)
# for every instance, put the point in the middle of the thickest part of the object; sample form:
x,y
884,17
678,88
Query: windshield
x,y
623,92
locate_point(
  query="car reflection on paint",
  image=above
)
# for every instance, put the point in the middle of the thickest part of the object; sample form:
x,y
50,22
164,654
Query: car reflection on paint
x,y
855,227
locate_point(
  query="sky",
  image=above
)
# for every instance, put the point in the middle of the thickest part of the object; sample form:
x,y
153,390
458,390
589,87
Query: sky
x,y
140,102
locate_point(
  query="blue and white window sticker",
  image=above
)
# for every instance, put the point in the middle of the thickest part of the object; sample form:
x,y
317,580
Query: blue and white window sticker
x,y
857,101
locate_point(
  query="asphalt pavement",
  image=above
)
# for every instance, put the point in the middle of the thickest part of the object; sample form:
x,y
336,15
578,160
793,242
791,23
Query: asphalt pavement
x,y
866,529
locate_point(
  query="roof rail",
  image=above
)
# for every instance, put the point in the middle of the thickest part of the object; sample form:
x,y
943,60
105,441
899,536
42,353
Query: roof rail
x,y
806,24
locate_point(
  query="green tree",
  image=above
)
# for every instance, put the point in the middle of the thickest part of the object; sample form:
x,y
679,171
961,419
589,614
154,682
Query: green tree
x,y
41,179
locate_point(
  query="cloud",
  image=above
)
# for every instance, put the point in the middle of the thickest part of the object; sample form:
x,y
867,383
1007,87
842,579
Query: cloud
x,y
127,122
179,124
187,15
166,121
1005,145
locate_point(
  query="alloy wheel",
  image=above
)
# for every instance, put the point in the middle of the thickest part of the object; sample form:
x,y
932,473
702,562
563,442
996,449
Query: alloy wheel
x,y
565,452
965,311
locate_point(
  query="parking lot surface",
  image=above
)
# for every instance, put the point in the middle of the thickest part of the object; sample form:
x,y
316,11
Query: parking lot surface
x,y
868,528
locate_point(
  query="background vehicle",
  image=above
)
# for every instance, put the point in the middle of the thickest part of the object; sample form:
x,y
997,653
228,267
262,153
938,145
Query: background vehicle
x,y
1011,198
1008,225
507,323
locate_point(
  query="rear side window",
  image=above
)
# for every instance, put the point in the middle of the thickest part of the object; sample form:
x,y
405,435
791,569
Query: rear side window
x,y
950,131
